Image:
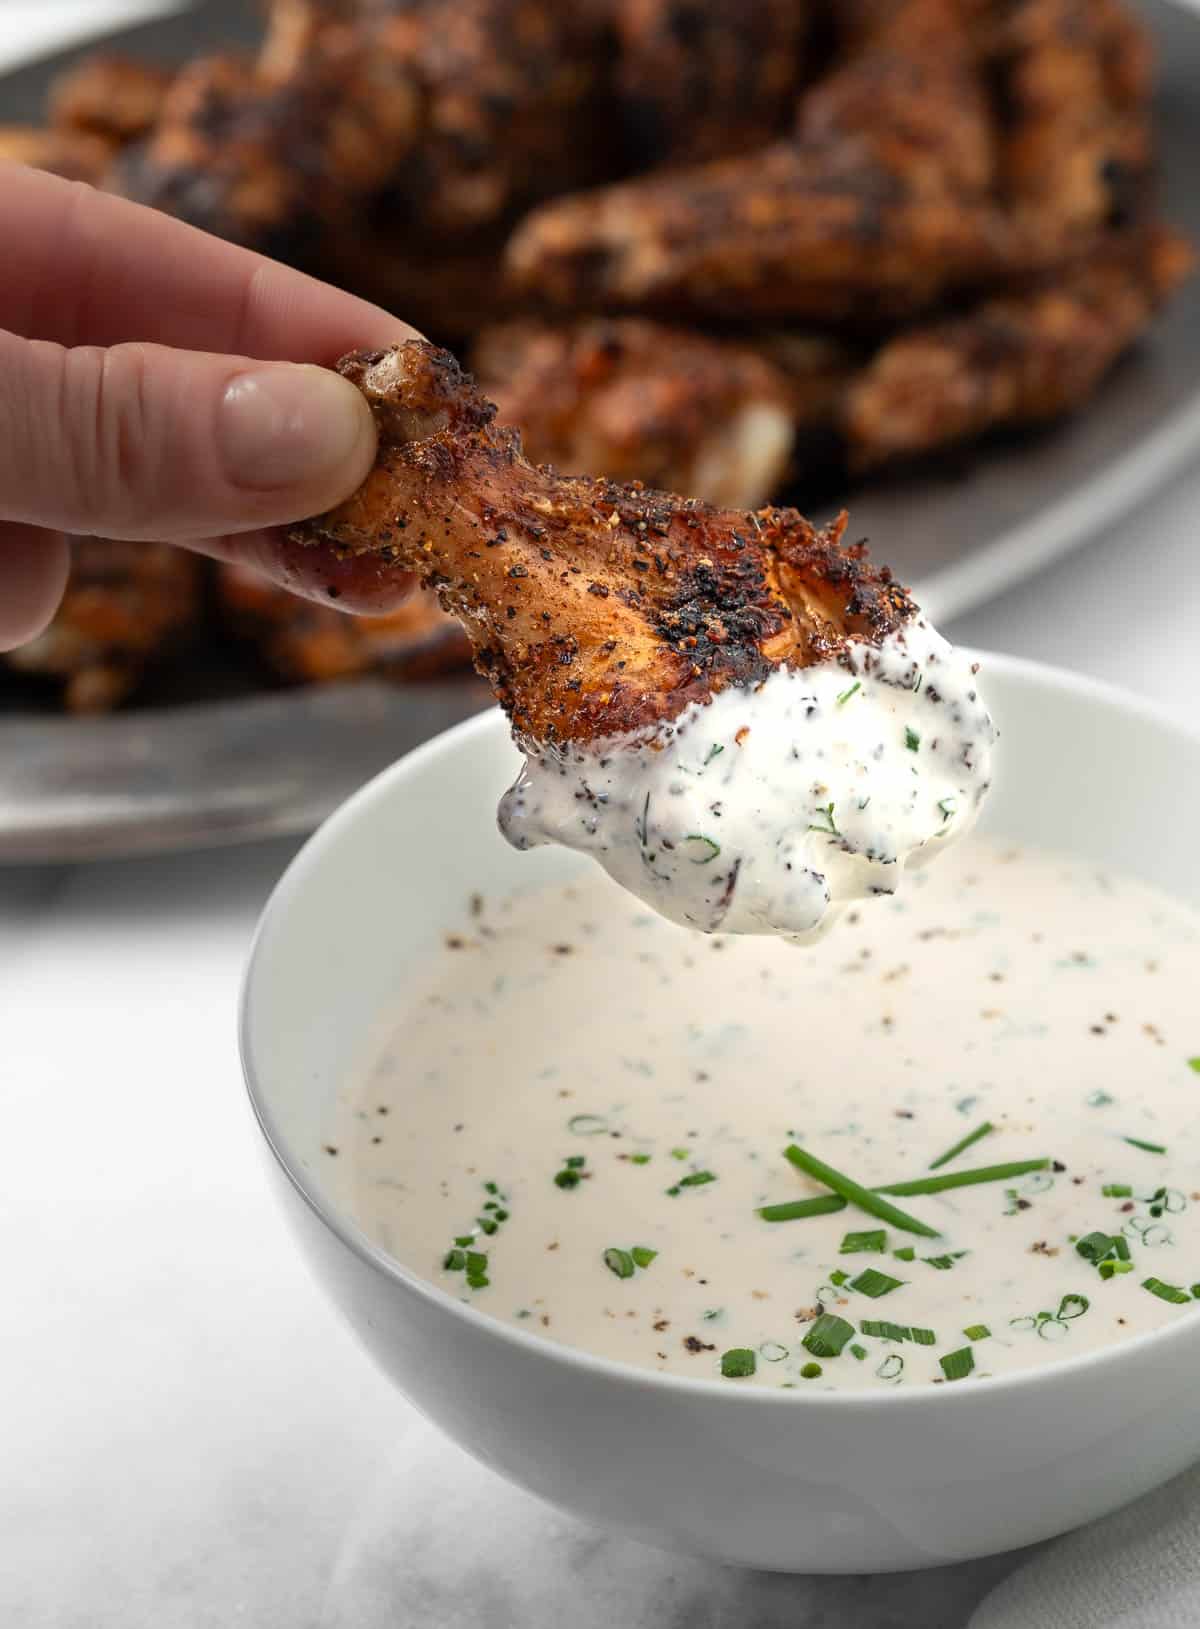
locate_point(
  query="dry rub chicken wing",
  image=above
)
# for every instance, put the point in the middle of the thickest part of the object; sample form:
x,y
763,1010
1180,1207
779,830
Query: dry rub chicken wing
x,y
700,79
878,206
594,609
635,400
307,643
125,604
1019,359
116,98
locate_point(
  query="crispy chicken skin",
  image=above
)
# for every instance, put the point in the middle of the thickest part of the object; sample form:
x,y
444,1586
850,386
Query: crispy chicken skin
x,y
306,643
124,606
635,400
877,207
594,609
700,79
116,98
1019,359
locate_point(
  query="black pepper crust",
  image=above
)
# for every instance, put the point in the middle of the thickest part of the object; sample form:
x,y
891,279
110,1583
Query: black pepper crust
x,y
595,609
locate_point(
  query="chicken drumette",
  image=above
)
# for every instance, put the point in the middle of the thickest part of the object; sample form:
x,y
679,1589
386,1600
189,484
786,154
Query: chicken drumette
x,y
125,604
594,609
636,400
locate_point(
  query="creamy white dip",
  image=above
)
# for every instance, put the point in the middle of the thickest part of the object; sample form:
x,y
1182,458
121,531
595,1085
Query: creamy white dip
x,y
574,1123
764,809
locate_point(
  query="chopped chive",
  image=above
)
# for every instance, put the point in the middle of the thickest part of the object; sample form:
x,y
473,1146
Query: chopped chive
x,y
810,1371
906,1252
642,1256
966,1179
619,1262
827,1336
1150,1148
911,739
487,1225
846,694
1110,1269
575,1162
713,1312
567,1179
856,1193
857,1351
794,1210
923,1337
478,1281
1117,1190
871,1239
639,1159
1166,1292
476,1261
958,1365
738,1363
695,1179
1072,1306
1095,1247
708,850
464,1238
874,1283
944,1263
837,1278
587,1125
1121,1246
1194,1065
680,1153
501,1215
977,1332
962,1144
454,1261
884,1330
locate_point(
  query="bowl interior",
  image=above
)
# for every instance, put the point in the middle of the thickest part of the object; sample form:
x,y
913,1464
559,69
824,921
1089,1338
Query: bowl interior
x,y
1081,769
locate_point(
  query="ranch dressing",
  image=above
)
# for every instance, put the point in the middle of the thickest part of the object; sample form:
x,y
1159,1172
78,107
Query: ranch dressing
x,y
574,1120
764,810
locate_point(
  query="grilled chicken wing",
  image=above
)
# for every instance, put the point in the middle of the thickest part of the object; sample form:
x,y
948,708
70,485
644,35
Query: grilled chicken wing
x,y
73,154
307,643
1021,359
594,609
700,79
1078,149
124,606
445,114
116,98
634,400
877,207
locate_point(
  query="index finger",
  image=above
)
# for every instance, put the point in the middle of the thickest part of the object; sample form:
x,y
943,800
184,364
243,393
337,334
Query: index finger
x,y
83,267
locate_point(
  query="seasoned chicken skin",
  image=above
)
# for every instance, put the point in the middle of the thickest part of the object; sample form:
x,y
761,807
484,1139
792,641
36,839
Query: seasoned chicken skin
x,y
636,400
1019,359
594,609
125,604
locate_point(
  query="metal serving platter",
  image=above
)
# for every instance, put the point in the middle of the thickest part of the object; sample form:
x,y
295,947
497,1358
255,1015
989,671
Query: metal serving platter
x,y
194,772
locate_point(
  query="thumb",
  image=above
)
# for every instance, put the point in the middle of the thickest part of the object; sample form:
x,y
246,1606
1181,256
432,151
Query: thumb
x,y
139,441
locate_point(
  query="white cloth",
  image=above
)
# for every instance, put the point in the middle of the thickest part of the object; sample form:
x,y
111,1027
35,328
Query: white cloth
x,y
1136,1569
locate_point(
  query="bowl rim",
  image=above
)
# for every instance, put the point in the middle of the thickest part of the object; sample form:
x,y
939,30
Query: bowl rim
x,y
335,830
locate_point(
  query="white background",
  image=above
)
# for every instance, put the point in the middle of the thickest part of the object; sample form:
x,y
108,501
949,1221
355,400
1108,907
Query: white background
x,y
187,1437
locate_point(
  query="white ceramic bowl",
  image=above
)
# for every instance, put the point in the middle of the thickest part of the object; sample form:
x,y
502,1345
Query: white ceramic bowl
x,y
788,1480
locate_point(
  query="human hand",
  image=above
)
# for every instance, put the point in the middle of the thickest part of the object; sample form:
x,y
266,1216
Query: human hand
x,y
149,390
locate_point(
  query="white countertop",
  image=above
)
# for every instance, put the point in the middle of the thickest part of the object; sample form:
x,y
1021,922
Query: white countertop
x,y
190,1437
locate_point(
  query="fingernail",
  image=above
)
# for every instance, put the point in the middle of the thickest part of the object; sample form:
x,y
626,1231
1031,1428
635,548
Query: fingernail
x,y
288,425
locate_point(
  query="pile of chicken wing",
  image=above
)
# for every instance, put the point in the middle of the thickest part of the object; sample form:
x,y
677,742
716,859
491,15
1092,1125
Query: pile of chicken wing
x,y
685,242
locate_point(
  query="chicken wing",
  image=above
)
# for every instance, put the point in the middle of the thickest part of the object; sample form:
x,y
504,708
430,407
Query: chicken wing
x,y
1021,359
700,79
306,643
878,207
634,400
594,609
116,98
125,604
